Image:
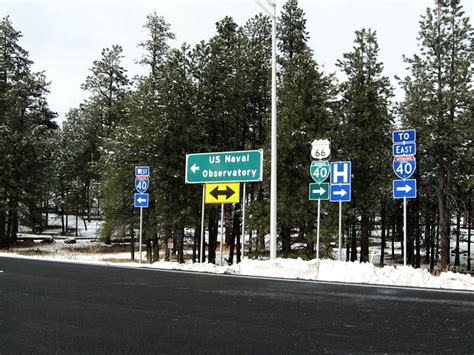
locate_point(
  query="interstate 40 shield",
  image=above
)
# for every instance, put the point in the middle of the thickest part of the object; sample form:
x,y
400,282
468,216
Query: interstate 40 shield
x,y
404,166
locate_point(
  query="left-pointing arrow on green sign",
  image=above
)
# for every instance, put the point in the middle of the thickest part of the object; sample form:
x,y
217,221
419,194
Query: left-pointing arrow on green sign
x,y
238,166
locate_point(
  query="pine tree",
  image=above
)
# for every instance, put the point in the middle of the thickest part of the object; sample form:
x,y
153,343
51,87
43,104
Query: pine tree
x,y
365,127
439,105
304,115
25,148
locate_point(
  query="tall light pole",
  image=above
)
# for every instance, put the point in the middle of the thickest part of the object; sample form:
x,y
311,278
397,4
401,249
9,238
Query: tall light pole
x,y
273,173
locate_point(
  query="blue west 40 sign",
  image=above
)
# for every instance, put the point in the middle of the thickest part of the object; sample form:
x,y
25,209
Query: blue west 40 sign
x,y
404,166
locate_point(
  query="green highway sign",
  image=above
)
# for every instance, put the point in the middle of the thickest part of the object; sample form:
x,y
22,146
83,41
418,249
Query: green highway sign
x,y
319,191
238,166
319,170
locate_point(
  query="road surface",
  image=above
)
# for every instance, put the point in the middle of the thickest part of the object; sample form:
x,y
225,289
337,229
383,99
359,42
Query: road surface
x,y
50,307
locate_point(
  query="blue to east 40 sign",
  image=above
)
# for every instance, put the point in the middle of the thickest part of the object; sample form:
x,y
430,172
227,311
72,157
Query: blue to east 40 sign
x,y
404,166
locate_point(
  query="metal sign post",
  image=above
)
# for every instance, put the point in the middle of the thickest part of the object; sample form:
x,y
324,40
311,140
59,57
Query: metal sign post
x,y
319,170
318,191
340,190
404,165
340,230
317,230
201,253
140,243
222,233
142,176
405,231
242,242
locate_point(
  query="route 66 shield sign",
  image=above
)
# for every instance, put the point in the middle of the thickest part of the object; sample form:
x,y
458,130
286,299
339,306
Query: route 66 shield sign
x,y
320,149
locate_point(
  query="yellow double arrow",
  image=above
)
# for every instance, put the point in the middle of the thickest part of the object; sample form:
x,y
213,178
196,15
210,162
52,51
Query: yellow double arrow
x,y
222,193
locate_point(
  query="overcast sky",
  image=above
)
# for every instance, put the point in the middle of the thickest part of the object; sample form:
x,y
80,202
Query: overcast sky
x,y
64,37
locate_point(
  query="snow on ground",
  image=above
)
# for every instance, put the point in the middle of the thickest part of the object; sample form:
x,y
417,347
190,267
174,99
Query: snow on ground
x,y
88,250
322,270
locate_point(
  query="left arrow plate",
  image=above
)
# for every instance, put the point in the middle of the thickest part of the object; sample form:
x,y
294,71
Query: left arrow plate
x,y
222,193
141,200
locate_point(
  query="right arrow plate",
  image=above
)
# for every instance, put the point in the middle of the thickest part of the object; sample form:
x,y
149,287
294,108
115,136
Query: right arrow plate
x,y
319,191
404,188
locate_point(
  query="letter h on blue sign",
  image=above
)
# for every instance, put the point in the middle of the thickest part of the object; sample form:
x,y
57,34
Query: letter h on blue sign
x,y
341,172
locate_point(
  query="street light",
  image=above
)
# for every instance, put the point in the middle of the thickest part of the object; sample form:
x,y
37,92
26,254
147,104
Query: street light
x,y
273,158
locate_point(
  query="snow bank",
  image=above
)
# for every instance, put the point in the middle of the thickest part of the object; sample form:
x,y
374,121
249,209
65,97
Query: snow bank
x,y
322,270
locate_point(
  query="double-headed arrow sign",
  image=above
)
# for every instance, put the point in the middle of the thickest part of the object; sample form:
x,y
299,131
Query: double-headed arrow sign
x,y
228,192
222,193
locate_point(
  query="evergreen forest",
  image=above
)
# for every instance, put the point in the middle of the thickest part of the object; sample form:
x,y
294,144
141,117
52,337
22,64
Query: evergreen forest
x,y
215,96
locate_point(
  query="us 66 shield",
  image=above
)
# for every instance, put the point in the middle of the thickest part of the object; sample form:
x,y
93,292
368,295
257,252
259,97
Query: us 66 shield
x,y
319,170
404,166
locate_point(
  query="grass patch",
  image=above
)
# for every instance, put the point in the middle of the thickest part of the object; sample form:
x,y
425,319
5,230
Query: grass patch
x,y
99,249
119,260
29,252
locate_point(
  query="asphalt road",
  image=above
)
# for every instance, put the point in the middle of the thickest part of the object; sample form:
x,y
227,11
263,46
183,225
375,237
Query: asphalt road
x,y
67,308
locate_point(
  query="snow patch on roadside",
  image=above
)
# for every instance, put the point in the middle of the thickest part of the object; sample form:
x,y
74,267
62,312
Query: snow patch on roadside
x,y
320,270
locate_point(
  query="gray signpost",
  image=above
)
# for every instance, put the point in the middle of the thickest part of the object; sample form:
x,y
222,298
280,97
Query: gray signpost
x,y
319,170
141,200
404,165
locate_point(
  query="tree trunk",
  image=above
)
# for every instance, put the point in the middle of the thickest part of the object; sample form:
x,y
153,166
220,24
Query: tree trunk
x,y
77,224
457,261
417,236
393,239
354,241
432,259
382,229
14,227
149,256
3,216
427,239
132,242
212,235
8,235
261,242
235,235
443,219
156,248
180,244
310,238
469,208
46,203
62,221
196,236
285,239
364,236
